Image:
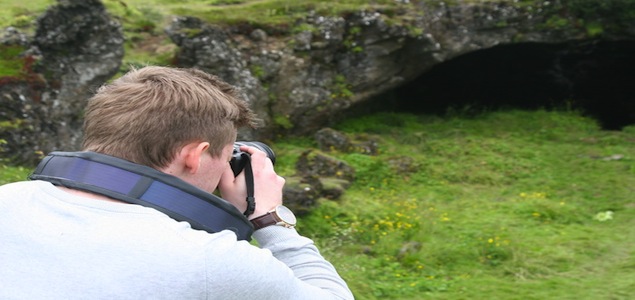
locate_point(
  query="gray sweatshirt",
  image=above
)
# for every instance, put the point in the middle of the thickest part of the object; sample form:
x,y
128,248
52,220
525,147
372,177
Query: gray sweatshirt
x,y
55,245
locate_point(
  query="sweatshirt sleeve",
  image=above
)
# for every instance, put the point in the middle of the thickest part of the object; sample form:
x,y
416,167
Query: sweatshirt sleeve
x,y
303,258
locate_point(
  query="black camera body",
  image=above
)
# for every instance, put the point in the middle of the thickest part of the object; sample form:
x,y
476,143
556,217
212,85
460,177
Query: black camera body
x,y
240,159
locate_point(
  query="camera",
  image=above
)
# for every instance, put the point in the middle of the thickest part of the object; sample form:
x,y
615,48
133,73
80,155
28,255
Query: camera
x,y
240,159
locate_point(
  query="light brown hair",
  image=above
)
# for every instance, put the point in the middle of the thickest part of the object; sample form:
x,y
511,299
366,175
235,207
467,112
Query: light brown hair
x,y
149,114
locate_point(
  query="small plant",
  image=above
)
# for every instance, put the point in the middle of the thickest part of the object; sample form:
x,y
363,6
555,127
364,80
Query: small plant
x,y
594,29
357,49
415,31
11,63
350,40
257,71
283,121
604,216
557,22
304,27
22,21
340,88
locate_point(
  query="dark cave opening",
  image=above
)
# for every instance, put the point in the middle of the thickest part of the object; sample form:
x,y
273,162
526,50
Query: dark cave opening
x,y
594,77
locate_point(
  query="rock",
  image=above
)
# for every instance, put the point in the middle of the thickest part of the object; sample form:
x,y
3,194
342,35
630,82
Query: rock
x,y
329,140
365,145
211,49
335,63
303,41
12,36
403,164
75,49
317,176
300,196
333,188
408,248
258,35
314,164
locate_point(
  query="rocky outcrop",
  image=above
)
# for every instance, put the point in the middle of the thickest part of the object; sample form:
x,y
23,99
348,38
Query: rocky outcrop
x,y
304,81
299,79
75,49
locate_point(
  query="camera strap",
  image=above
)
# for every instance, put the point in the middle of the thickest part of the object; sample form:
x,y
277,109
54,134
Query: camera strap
x,y
133,183
249,182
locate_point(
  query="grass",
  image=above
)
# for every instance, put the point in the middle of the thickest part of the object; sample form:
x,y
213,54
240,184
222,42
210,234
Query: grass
x,y
277,12
21,14
505,205
11,64
501,206
10,174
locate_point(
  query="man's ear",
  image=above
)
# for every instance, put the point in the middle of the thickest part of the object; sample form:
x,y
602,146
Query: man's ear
x,y
192,154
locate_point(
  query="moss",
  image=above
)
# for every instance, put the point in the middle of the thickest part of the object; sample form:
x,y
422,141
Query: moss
x,y
357,49
22,21
303,27
590,17
192,32
502,24
11,63
594,29
11,124
557,22
415,31
355,30
283,121
340,88
257,71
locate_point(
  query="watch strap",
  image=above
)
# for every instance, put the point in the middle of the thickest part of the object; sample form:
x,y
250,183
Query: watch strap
x,y
265,220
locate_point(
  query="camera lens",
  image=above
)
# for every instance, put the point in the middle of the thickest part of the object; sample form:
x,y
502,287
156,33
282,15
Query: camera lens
x,y
258,145
240,159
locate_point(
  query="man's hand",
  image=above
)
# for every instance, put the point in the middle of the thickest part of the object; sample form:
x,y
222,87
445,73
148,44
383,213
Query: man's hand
x,y
267,184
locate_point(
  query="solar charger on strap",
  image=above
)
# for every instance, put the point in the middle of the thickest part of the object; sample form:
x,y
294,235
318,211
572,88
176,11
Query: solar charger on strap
x,y
133,183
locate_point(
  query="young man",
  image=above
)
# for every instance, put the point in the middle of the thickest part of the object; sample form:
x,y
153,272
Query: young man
x,y
62,241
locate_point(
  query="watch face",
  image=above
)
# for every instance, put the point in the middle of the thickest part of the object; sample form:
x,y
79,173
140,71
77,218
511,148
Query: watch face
x,y
286,215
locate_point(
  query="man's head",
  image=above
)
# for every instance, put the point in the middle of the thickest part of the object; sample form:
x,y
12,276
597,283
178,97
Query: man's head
x,y
149,114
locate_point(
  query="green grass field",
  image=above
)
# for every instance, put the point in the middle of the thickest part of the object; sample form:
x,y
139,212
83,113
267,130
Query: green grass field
x,y
506,205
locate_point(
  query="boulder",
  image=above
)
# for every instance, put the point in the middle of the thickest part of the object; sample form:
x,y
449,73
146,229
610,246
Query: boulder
x,y
75,49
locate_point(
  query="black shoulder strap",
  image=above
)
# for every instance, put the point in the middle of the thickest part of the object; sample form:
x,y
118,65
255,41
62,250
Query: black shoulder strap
x,y
249,182
126,181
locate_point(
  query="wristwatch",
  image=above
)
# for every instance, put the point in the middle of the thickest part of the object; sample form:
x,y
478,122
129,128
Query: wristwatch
x,y
281,216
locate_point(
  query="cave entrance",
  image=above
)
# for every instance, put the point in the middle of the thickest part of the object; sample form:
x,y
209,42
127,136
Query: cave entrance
x,y
595,77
